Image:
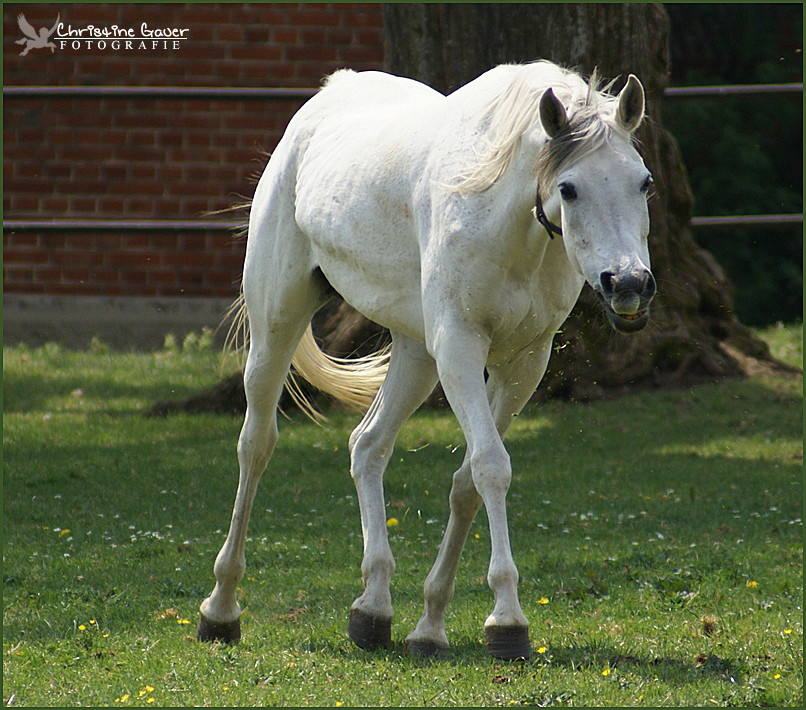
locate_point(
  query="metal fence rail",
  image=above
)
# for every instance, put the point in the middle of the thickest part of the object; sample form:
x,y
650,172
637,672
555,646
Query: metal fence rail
x,y
235,93
277,93
155,92
124,225
732,90
201,225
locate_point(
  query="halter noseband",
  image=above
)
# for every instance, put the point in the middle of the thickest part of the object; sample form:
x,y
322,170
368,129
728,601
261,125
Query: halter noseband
x,y
540,216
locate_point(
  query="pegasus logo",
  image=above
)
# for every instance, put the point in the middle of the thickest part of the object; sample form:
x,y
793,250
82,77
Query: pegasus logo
x,y
34,40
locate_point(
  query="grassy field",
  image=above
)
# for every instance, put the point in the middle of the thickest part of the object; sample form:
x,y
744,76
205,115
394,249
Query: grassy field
x,y
658,537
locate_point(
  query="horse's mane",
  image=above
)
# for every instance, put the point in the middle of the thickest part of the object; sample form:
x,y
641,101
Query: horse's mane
x,y
508,115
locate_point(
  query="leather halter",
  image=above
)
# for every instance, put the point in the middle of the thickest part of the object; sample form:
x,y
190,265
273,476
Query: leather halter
x,y
540,216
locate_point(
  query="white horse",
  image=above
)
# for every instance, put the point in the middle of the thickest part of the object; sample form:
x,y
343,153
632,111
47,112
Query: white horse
x,y
436,217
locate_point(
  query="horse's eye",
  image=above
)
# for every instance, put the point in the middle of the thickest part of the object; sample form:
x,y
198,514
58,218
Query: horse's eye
x,y
567,191
647,184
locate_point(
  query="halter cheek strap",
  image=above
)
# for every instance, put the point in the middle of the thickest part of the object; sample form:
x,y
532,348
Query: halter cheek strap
x,y
540,216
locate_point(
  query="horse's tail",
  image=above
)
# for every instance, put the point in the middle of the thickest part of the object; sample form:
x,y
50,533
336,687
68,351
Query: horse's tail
x,y
352,381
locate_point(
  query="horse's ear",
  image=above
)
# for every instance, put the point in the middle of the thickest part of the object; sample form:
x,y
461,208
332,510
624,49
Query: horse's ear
x,y
552,114
631,104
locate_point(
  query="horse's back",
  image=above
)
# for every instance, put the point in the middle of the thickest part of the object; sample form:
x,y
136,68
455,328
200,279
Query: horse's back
x,y
374,86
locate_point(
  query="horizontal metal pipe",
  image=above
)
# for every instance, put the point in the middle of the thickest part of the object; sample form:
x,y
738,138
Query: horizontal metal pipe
x,y
224,92
756,220
125,225
156,92
184,225
732,90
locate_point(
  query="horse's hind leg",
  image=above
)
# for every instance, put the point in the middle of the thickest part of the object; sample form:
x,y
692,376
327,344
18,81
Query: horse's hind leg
x,y
409,380
263,378
280,305
429,637
266,368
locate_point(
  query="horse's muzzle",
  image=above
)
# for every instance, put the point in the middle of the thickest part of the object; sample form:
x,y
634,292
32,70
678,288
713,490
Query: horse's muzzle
x,y
626,295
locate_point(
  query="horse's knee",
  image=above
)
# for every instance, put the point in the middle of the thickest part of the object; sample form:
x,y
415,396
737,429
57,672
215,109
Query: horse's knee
x,y
491,470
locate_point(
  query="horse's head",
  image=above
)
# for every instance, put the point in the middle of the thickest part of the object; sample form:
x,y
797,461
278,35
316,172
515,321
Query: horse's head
x,y
600,187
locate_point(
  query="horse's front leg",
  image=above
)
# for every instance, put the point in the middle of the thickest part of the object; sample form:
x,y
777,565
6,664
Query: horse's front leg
x,y
409,380
510,388
485,417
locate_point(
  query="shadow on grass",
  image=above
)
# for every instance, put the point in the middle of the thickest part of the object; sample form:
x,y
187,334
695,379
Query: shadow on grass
x,y
23,394
594,656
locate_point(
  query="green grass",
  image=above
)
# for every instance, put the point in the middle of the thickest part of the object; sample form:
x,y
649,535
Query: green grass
x,y
658,537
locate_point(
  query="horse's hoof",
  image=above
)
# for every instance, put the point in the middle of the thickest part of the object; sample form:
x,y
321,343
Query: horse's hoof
x,y
425,649
226,632
367,631
509,643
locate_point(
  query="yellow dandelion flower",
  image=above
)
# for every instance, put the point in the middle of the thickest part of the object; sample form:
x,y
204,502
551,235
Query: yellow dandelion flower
x,y
339,703
150,700
183,621
542,649
787,631
606,671
751,583
64,532
149,689
476,535
81,627
392,522
543,600
777,676
141,693
122,699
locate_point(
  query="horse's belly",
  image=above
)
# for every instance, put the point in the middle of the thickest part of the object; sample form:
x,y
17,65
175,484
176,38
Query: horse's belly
x,y
387,300
376,273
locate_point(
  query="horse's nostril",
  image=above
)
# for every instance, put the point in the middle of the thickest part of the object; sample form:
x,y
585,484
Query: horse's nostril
x,y
649,285
607,281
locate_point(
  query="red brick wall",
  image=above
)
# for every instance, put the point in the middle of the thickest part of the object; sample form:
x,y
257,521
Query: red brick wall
x,y
155,158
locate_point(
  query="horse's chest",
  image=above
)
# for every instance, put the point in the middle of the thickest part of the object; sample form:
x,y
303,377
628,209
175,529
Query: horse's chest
x,y
530,314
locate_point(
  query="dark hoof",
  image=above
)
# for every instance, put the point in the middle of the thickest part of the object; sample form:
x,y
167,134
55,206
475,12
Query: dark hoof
x,y
425,649
369,632
227,632
509,643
